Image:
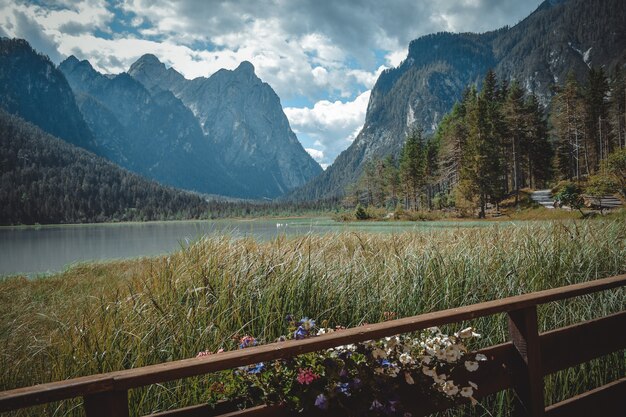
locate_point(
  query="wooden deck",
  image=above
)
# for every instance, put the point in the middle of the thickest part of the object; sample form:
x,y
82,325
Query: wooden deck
x,y
520,364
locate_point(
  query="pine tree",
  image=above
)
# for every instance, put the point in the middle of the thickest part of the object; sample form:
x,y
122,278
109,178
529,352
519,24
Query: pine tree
x,y
539,152
515,116
412,168
617,108
567,118
595,97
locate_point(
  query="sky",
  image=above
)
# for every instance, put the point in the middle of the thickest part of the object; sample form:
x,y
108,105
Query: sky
x,y
322,57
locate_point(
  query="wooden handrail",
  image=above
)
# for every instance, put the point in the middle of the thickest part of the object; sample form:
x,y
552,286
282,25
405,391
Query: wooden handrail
x,y
121,381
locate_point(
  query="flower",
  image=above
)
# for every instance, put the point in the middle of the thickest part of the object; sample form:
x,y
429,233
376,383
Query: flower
x,y
467,333
321,402
300,333
480,357
379,353
247,341
343,387
306,376
467,392
406,359
471,366
256,369
440,379
428,372
450,389
208,353
376,405
307,323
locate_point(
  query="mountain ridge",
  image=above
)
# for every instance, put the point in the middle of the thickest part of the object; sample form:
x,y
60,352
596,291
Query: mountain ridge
x,y
227,104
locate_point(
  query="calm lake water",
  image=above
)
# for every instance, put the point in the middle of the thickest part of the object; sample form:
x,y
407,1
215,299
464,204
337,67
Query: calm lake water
x,y
41,250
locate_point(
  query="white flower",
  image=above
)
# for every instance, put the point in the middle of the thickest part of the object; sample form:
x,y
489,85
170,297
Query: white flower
x,y
428,372
473,385
467,392
408,378
471,366
406,359
427,359
379,371
450,389
480,357
378,353
467,333
393,371
452,353
440,379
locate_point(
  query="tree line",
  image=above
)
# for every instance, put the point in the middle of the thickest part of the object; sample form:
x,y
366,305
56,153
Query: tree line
x,y
46,180
498,140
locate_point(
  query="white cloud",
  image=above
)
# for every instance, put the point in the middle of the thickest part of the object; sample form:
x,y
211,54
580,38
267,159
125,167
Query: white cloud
x,y
333,125
315,154
316,51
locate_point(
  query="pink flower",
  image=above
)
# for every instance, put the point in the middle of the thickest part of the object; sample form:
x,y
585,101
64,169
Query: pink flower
x,y
306,376
207,353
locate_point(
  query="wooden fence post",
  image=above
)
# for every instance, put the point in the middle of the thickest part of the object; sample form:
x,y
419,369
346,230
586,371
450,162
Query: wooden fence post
x,y
528,378
107,404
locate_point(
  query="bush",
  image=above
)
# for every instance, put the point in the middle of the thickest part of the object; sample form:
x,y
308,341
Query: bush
x,y
360,213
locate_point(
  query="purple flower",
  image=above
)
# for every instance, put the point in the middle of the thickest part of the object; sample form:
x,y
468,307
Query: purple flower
x,y
343,373
343,388
258,368
321,402
376,405
289,318
247,341
356,383
300,333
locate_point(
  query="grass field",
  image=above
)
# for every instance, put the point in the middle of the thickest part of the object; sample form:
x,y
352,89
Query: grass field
x,y
105,317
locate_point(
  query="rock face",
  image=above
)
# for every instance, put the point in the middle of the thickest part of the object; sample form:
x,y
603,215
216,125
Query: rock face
x,y
559,37
243,118
151,133
32,88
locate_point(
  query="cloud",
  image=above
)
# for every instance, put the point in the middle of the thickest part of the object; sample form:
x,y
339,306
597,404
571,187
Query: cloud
x,y
332,125
315,154
27,28
321,53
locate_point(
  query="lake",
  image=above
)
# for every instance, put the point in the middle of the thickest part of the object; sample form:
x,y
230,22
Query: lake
x,y
45,249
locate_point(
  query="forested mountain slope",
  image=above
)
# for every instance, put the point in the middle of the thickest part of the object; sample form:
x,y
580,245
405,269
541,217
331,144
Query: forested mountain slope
x,y
46,180
559,37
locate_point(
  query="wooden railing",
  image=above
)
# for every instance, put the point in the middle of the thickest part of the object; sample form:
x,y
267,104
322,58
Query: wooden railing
x,y
520,364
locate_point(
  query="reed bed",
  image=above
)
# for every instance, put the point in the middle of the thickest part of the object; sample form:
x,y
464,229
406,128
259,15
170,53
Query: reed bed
x,y
103,317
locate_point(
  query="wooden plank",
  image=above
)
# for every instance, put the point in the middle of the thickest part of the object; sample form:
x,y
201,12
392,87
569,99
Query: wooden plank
x,y
55,391
138,377
607,400
107,404
582,342
528,376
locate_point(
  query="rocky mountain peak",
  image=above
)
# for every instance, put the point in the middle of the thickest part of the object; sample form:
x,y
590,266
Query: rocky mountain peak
x,y
245,67
153,73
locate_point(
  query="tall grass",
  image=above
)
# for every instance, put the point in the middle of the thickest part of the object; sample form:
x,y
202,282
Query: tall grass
x,y
104,317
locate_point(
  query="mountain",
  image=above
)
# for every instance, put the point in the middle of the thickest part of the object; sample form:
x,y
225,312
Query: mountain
x,y
151,133
559,37
243,117
44,179
32,88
